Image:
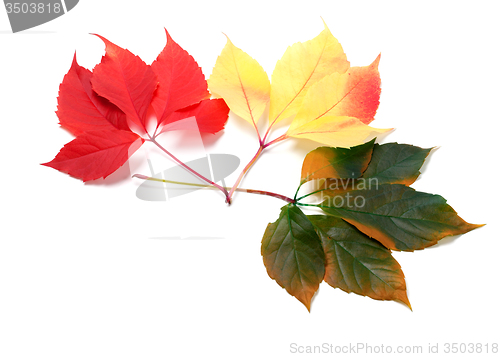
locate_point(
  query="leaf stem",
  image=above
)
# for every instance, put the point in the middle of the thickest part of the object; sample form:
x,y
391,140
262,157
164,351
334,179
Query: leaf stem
x,y
262,146
223,189
312,193
257,192
261,142
270,126
249,165
307,204
277,140
297,192
267,193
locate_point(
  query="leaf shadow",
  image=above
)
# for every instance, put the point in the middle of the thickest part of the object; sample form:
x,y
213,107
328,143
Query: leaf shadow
x,y
445,241
311,305
209,139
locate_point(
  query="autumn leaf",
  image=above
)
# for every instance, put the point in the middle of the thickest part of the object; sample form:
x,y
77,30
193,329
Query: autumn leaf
x,y
302,65
96,154
354,93
396,163
389,163
183,91
293,254
80,109
126,81
181,81
338,102
336,163
355,263
242,82
397,216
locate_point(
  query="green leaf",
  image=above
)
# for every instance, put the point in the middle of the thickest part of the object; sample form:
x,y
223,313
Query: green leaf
x,y
336,163
396,163
397,216
356,263
293,254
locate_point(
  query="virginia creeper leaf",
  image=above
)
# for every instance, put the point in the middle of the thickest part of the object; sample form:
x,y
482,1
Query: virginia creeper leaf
x,y
96,154
397,216
80,109
396,163
181,81
356,263
336,163
211,116
302,65
293,254
338,102
125,80
242,82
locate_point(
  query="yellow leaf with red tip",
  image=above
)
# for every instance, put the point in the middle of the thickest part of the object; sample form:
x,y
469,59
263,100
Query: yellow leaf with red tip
x,y
337,109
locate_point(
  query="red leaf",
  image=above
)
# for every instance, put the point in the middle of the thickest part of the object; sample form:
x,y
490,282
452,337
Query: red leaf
x,y
182,82
211,116
80,109
126,81
96,154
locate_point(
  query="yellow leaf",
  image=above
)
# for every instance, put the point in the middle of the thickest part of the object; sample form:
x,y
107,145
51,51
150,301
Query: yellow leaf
x,y
241,81
302,65
338,131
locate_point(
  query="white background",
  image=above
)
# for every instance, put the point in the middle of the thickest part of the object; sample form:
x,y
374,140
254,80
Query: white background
x,y
91,270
